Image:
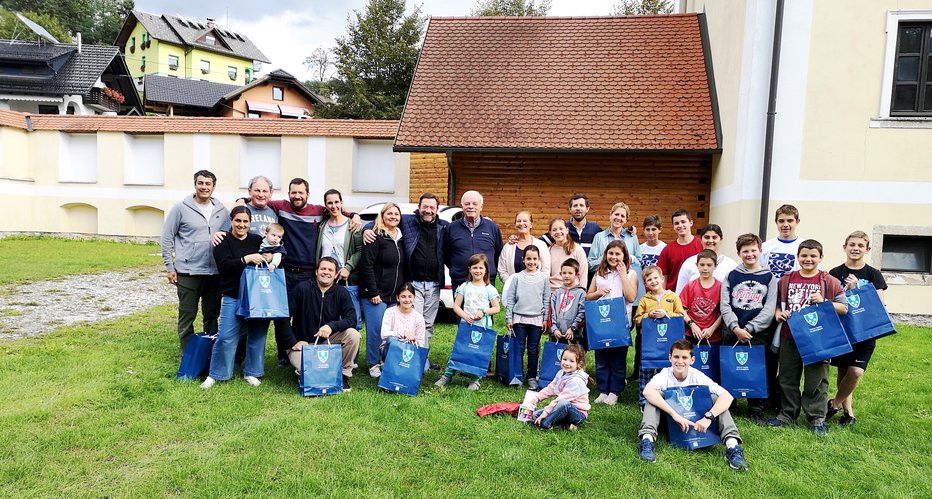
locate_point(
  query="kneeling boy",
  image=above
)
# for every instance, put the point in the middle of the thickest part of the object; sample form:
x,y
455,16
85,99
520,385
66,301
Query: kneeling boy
x,y
683,374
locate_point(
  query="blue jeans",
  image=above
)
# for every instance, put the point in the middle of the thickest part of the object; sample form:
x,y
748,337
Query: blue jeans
x,y
231,328
564,413
373,316
610,369
529,338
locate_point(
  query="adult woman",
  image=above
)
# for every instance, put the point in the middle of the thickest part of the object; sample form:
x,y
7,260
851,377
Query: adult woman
x,y
381,275
238,249
336,240
563,248
511,260
616,231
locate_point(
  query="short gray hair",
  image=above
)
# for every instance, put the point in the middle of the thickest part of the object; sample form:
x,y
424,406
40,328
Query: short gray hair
x,y
476,193
257,178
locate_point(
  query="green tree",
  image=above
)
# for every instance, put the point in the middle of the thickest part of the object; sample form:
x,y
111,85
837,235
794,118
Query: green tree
x,y
11,28
643,7
375,62
511,8
98,21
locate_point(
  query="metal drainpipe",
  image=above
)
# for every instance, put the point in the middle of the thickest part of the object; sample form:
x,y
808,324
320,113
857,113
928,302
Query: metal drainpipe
x,y
771,119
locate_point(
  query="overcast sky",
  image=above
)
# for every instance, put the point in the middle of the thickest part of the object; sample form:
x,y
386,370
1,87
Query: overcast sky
x,y
290,32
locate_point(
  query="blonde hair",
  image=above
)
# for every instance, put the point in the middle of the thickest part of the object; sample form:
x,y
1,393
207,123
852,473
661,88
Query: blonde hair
x,y
380,227
621,205
859,234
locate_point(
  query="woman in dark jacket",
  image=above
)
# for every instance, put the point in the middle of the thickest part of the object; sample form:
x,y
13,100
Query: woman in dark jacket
x,y
382,274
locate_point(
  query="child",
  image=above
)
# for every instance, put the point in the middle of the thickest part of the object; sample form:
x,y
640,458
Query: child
x,y
677,251
656,303
701,299
854,273
571,405
614,278
711,237
476,301
681,373
779,254
528,297
403,322
272,243
652,246
567,306
798,289
749,298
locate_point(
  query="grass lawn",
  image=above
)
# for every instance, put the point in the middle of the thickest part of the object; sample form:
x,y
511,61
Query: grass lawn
x,y
96,411
44,258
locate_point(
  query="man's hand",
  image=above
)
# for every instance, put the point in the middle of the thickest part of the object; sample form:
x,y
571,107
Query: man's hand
x,y
172,277
355,223
218,237
702,425
368,236
343,273
299,345
324,332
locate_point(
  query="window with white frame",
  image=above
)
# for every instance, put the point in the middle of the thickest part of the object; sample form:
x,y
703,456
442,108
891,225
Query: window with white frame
x,y
205,66
906,90
77,158
231,72
173,62
144,159
373,166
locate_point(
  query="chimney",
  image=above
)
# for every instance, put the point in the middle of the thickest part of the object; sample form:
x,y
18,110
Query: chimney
x,y
210,23
78,38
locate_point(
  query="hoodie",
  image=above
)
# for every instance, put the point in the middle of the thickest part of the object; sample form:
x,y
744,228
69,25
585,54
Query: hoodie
x,y
570,387
186,237
568,310
749,300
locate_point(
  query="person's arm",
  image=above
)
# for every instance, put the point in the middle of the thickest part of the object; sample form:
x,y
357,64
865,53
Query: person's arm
x,y
764,318
729,318
595,252
353,252
580,313
227,262
497,243
347,317
686,274
544,257
580,255
370,285
276,260
629,284
573,388
172,224
722,403
545,393
594,293
641,311
502,267
389,325
458,308
495,308
655,398
545,298
511,299
554,330
678,310
420,331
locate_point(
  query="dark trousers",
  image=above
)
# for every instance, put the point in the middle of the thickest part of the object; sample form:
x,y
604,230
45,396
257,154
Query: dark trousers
x,y
529,339
194,290
814,397
610,365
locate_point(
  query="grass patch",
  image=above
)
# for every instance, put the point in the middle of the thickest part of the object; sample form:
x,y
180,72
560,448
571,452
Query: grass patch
x,y
51,257
96,410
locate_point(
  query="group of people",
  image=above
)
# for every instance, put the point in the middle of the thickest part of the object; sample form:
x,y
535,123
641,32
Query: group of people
x,y
393,270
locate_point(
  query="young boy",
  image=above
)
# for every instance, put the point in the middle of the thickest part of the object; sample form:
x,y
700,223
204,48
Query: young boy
x,y
677,251
567,306
779,254
652,246
798,289
272,243
701,298
657,302
711,237
681,373
854,273
749,298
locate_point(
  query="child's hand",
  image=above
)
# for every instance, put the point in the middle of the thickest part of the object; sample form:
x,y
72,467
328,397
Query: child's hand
x,y
478,315
539,419
569,334
684,423
408,337
605,291
656,313
509,326
816,298
783,315
557,334
705,333
851,281
742,334
271,268
701,426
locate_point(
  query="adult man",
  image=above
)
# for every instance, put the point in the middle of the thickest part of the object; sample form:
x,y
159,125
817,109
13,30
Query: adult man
x,y
188,256
321,311
260,193
580,228
468,236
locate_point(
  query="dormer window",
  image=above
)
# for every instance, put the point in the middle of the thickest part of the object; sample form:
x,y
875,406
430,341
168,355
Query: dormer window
x,y
210,40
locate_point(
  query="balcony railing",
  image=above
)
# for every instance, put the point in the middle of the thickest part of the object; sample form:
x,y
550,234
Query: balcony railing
x,y
101,100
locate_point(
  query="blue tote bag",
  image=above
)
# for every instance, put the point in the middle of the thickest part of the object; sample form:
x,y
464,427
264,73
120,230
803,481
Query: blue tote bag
x,y
550,362
818,333
196,357
354,294
867,318
607,324
656,337
262,294
744,370
403,368
509,363
321,370
707,360
472,349
691,402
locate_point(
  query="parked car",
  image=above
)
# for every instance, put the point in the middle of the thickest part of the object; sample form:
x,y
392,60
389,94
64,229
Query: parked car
x,y
448,213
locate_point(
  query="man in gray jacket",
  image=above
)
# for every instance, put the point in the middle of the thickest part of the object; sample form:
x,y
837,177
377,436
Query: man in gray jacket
x,y
188,256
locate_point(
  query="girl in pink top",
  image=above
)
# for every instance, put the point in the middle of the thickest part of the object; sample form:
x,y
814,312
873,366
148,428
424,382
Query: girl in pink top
x,y
403,322
564,248
571,405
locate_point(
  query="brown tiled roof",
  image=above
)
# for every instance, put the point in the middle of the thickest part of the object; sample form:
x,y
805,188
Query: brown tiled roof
x,y
544,83
364,129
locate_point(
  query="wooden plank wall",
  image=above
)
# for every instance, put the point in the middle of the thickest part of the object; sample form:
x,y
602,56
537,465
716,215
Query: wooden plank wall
x,y
543,183
429,173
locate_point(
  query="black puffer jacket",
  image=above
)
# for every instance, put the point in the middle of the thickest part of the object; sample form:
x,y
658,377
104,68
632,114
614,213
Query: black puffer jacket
x,y
382,270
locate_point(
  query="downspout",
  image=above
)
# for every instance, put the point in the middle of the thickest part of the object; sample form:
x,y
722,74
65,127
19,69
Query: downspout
x,y
451,180
771,119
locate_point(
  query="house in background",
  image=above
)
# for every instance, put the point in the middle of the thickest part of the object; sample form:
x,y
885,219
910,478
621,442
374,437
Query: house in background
x,y
179,97
184,48
54,78
275,95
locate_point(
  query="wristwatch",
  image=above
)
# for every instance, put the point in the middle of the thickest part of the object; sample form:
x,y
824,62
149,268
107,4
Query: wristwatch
x,y
708,415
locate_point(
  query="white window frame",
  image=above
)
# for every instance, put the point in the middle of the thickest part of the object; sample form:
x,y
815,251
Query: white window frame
x,y
894,18
205,66
175,64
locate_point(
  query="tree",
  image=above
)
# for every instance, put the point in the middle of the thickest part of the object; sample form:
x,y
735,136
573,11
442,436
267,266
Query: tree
x,y
318,63
643,7
98,21
375,62
511,8
11,28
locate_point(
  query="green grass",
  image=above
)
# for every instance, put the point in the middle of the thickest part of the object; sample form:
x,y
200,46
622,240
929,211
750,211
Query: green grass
x,y
96,411
43,258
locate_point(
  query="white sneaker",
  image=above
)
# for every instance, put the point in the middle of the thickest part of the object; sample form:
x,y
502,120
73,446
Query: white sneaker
x,y
611,399
209,382
375,371
600,399
252,380
474,386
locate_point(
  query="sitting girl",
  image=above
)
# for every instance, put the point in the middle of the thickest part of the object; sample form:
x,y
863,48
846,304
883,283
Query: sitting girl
x,y
571,405
403,322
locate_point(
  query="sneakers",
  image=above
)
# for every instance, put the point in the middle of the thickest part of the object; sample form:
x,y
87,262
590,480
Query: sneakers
x,y
757,418
532,384
847,420
443,381
252,380
646,450
600,399
830,411
776,422
610,399
375,371
209,382
473,387
735,458
346,386
819,429
572,427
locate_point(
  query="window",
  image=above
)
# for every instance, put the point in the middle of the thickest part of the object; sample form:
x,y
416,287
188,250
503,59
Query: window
x,y
231,72
373,166
144,159
173,62
142,65
205,67
132,44
912,71
278,93
253,114
907,254
47,109
248,74
210,40
77,160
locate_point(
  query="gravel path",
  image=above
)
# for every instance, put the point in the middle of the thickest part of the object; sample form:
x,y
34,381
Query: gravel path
x,y
36,308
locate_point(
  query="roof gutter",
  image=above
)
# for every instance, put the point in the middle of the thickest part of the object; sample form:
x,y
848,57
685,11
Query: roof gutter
x,y
771,120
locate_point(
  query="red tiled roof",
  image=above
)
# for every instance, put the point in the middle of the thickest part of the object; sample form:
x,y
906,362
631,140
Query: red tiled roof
x,y
364,129
583,83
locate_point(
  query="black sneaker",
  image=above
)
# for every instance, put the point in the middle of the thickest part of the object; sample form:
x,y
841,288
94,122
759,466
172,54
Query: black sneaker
x,y
346,386
830,411
735,458
758,418
847,420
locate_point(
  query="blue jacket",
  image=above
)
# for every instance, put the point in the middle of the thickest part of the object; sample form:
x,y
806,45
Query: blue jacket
x,y
411,231
461,243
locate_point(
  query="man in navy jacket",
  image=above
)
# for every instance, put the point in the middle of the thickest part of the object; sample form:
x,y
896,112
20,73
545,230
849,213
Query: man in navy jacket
x,y
468,236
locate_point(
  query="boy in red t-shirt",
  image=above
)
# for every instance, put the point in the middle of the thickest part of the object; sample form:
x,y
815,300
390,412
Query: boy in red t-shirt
x,y
677,251
701,298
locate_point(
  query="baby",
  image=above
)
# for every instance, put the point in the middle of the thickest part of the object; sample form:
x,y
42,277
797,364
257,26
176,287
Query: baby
x,y
272,243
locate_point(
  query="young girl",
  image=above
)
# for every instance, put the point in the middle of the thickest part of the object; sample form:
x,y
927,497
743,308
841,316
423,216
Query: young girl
x,y
701,298
528,298
614,278
571,405
657,303
403,322
476,302
563,249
